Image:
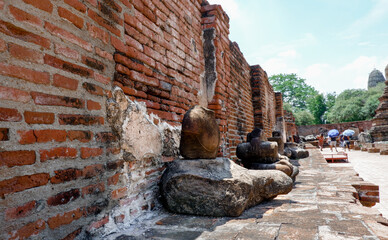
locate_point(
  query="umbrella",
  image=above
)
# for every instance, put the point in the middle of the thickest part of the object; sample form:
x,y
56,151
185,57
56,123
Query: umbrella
x,y
333,133
348,132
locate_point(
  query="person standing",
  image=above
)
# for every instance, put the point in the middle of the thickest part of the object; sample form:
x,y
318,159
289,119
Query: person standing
x,y
346,142
321,140
333,143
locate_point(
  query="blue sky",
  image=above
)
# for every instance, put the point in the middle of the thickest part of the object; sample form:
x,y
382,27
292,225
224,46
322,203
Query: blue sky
x,y
333,44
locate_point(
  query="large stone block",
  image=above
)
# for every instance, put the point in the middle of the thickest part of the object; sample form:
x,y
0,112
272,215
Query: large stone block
x,y
218,187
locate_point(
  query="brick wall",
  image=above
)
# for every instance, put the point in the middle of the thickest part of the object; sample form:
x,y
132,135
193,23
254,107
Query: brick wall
x,y
291,128
63,172
264,101
360,126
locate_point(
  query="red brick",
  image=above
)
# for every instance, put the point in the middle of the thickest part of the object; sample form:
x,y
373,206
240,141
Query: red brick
x,y
67,66
133,65
93,89
93,170
93,2
67,52
23,16
3,45
25,74
91,152
17,158
22,183
113,5
370,199
104,54
106,137
114,179
13,94
73,119
65,35
39,117
10,115
44,5
63,197
65,82
66,175
100,223
119,193
64,219
74,19
1,4
92,105
114,165
77,5
113,151
82,136
4,134
28,230
26,137
21,211
98,33
93,189
25,54
119,218
49,135
53,100
19,33
93,63
132,92
101,78
55,153
103,22
73,235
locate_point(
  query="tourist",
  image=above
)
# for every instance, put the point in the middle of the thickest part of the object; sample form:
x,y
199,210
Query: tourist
x,y
321,139
332,142
346,142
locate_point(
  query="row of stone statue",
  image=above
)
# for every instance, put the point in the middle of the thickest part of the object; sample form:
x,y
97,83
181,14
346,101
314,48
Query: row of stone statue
x,y
202,184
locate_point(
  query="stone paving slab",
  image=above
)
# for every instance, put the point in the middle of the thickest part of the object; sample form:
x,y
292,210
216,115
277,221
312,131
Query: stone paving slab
x,y
321,206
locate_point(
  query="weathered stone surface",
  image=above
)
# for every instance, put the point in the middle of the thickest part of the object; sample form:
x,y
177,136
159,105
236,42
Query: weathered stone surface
x,y
200,137
218,187
279,141
282,165
293,151
259,152
364,137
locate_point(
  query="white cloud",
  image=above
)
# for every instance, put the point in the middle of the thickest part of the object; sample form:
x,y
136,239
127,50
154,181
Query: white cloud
x,y
229,6
289,54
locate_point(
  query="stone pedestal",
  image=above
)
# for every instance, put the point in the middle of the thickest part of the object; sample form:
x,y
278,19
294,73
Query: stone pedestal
x,y
379,130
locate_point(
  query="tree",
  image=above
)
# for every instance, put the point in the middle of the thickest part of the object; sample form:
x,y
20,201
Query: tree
x,y
317,107
295,91
303,117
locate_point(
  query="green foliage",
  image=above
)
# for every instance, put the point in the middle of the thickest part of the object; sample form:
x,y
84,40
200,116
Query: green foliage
x,y
317,107
295,91
287,107
303,117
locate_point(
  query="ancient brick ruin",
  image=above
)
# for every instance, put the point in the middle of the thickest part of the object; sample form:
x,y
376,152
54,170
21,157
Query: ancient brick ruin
x,y
66,166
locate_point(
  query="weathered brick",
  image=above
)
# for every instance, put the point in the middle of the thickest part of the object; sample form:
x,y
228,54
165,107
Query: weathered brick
x,y
26,136
21,211
91,152
39,117
65,35
67,52
104,54
65,218
4,134
22,183
82,136
101,78
54,100
114,179
10,115
23,16
24,73
28,230
105,137
93,189
74,19
93,63
3,46
44,5
114,165
93,170
108,25
119,193
66,175
92,105
19,33
55,153
100,223
25,54
13,94
77,5
63,197
17,158
67,66
73,235
65,82
73,119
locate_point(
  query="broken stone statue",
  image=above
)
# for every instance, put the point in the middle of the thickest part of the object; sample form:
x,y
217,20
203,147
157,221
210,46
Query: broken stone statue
x,y
258,153
205,185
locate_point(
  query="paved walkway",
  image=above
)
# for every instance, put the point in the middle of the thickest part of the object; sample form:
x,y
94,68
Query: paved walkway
x,y
321,206
372,167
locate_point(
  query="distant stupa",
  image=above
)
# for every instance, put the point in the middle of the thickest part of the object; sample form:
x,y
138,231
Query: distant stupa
x,y
375,77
